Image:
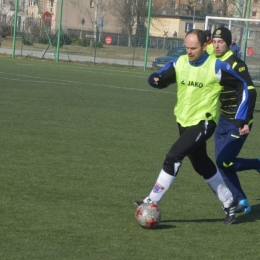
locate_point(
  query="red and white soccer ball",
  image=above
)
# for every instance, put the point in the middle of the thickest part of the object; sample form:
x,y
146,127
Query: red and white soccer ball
x,y
148,215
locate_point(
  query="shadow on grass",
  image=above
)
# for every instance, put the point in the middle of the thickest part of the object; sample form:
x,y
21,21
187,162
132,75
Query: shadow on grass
x,y
193,220
163,226
240,218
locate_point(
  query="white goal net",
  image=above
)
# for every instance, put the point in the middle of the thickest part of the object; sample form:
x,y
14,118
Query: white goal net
x,y
247,34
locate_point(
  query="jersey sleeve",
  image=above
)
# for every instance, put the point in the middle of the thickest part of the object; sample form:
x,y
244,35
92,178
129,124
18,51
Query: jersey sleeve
x,y
227,76
166,75
241,69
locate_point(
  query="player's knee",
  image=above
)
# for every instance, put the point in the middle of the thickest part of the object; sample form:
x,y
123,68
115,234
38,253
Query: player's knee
x,y
198,168
171,165
219,161
224,165
206,173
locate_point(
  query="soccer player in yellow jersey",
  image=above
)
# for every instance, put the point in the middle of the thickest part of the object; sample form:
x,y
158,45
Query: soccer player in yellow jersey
x,y
199,77
210,48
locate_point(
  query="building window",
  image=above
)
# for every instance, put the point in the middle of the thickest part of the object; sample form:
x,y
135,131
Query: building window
x,y
145,3
31,3
19,21
254,12
12,5
250,34
23,5
184,7
91,3
219,11
198,1
188,26
255,1
133,2
4,18
172,5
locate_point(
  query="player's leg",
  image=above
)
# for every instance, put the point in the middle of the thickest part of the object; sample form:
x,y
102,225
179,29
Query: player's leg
x,y
222,140
206,168
181,148
232,181
229,144
191,139
227,147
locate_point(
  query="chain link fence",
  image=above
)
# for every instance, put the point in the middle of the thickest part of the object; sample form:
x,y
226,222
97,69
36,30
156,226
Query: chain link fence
x,y
112,32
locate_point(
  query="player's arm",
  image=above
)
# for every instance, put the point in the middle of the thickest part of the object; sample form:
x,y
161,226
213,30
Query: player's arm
x,y
164,77
242,70
227,76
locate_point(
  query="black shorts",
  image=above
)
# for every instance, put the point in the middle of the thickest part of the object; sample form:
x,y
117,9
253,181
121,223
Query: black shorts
x,y
192,143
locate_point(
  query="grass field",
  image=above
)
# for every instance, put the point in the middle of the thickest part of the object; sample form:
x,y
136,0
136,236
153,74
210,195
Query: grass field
x,y
79,144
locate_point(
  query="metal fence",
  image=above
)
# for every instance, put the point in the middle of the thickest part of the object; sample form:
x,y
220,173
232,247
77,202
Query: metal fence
x,y
56,30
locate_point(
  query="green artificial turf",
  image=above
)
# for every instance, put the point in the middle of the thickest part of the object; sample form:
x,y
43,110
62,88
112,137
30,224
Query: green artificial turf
x,y
79,144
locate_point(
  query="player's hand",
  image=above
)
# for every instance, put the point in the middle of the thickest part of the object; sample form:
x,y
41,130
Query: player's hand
x,y
244,131
156,80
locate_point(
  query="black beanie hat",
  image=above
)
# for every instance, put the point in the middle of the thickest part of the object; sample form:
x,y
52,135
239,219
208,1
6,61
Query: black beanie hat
x,y
224,34
208,33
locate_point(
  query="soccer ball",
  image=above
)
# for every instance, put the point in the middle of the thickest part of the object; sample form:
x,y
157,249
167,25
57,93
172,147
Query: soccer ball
x,y
148,215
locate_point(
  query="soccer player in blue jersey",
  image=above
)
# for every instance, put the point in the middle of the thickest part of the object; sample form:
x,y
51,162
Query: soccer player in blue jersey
x,y
199,77
228,141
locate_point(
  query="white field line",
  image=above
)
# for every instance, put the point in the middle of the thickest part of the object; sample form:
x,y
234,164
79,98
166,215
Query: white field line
x,y
58,81
88,70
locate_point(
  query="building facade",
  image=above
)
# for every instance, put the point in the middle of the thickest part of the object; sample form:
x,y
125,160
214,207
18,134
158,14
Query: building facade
x,y
7,11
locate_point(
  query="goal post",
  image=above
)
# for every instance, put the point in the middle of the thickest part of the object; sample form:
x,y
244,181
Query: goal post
x,y
247,34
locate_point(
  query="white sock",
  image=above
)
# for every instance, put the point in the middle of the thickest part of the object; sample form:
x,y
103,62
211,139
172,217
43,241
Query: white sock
x,y
218,186
162,184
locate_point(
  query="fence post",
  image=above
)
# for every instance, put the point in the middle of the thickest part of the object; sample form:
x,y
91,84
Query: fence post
x,y
59,33
15,26
147,33
246,34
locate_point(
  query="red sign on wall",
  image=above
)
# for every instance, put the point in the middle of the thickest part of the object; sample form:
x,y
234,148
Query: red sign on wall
x,y
46,16
108,40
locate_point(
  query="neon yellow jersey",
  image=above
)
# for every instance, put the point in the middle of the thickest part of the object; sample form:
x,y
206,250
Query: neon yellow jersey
x,y
198,91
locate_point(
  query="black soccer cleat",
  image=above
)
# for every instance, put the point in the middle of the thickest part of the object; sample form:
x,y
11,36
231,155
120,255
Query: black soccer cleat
x,y
140,202
230,212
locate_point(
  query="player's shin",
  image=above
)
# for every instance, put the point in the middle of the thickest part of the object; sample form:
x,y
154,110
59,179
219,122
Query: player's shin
x,y
217,184
161,186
